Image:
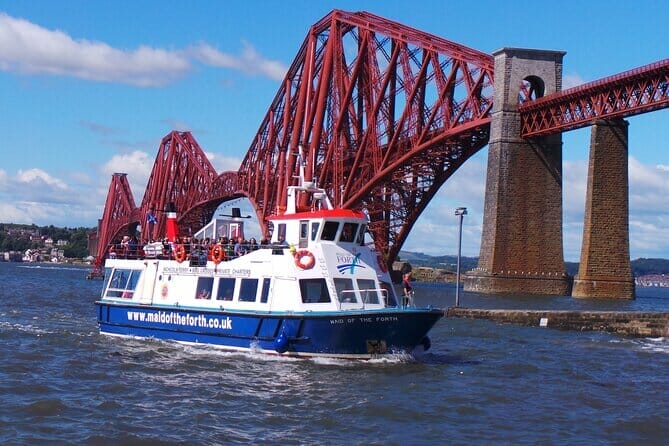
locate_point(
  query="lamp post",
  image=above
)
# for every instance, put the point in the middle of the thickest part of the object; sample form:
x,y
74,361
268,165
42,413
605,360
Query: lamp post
x,y
460,212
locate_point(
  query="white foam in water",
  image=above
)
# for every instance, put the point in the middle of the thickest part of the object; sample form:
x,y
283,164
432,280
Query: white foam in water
x,y
66,268
24,328
659,345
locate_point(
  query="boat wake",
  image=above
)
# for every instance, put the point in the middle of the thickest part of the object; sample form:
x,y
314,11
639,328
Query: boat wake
x,y
44,267
655,345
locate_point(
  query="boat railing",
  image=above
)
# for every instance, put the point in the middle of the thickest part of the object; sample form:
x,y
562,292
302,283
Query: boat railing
x,y
407,301
196,255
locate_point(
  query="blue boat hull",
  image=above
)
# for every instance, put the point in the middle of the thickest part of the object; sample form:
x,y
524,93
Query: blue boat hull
x,y
354,334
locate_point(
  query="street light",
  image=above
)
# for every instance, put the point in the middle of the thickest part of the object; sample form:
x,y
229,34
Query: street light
x,y
460,212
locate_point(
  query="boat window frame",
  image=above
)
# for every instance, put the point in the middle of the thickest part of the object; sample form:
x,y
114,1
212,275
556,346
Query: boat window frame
x,y
222,296
304,234
327,228
264,293
345,291
246,289
126,286
315,226
348,232
365,291
204,288
308,290
360,240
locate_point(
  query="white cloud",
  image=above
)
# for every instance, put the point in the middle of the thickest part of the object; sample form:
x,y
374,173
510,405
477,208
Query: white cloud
x,y
249,61
435,233
38,177
223,163
137,165
572,80
29,48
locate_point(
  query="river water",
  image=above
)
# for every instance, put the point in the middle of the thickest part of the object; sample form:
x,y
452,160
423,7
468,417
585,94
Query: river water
x,y
63,383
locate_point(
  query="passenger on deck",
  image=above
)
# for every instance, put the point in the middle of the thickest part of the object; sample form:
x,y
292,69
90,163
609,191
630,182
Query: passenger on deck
x,y
408,289
253,244
132,247
240,247
112,251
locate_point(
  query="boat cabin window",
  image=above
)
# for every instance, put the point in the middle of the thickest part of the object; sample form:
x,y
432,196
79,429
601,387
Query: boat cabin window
x,y
304,228
345,290
314,291
281,234
226,288
330,230
204,287
265,290
348,232
314,230
369,293
122,283
248,290
361,235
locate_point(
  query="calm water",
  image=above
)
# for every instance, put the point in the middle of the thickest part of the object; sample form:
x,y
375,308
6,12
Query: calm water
x,y
63,383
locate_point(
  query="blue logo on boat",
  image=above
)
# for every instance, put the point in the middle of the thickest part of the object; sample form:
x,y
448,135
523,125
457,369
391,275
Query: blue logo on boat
x,y
349,262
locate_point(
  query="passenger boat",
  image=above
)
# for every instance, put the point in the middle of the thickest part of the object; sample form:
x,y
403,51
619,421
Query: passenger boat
x,y
317,289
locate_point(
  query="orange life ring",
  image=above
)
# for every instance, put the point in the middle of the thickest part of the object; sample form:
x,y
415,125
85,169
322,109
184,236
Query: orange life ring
x,y
311,260
382,265
179,253
217,253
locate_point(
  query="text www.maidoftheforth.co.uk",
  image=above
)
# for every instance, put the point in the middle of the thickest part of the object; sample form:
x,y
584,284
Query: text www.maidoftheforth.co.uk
x,y
188,320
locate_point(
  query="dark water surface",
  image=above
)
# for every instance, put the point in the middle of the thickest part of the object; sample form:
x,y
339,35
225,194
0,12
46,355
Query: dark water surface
x,y
63,383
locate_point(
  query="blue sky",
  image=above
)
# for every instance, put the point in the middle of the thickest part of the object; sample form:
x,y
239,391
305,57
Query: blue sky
x,y
90,88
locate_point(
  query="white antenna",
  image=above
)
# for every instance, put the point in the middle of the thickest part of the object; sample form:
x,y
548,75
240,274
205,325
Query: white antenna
x,y
303,163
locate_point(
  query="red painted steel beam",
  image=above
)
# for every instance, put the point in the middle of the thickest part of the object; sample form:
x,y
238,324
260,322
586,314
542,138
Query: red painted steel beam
x,y
119,213
182,177
385,114
626,94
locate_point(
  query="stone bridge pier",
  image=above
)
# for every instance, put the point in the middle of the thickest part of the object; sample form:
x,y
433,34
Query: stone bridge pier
x,y
605,269
521,246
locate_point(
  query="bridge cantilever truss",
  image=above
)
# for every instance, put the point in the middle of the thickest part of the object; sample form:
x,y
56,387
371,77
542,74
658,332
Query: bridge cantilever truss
x,y
385,113
626,94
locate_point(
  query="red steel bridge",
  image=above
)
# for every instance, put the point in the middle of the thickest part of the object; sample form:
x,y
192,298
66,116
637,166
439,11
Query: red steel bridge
x,y
385,113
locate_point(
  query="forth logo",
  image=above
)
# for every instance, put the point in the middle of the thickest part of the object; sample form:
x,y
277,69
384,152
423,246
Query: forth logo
x,y
349,262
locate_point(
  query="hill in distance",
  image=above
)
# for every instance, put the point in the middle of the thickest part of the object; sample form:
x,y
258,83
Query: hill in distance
x,y
640,267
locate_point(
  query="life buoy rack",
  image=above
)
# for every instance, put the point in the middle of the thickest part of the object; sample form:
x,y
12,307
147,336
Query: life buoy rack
x,y
179,253
382,264
311,260
217,254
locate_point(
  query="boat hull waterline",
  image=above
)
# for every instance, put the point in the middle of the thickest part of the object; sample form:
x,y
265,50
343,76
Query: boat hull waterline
x,y
352,334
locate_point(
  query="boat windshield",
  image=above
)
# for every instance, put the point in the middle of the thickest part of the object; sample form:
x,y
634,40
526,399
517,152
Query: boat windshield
x,y
122,283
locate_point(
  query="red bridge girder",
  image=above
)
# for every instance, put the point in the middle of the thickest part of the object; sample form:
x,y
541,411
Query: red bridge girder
x,y
626,94
181,175
119,213
385,113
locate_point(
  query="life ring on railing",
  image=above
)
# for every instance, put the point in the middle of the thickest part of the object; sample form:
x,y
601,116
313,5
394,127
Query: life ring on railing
x,y
217,254
382,264
179,253
311,260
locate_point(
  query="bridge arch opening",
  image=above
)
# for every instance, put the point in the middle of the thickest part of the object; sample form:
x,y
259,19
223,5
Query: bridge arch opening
x,y
531,88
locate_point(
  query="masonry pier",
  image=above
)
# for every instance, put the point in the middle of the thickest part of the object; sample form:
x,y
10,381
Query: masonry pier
x,y
605,269
521,244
